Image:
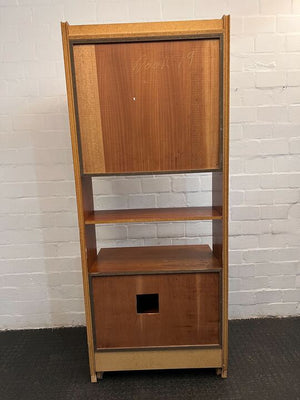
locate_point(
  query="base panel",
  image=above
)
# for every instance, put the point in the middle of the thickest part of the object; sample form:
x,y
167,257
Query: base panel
x,y
158,359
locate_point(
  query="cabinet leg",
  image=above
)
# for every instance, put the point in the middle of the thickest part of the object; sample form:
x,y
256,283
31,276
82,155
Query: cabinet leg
x,y
93,378
222,372
99,375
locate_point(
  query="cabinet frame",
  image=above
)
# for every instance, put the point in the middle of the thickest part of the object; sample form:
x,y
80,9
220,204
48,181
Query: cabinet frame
x,y
177,30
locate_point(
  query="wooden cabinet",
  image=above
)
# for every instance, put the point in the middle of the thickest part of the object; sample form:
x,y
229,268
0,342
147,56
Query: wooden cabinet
x,y
160,296
151,98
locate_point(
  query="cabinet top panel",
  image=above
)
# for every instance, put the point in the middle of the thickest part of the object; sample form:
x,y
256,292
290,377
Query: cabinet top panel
x,y
145,29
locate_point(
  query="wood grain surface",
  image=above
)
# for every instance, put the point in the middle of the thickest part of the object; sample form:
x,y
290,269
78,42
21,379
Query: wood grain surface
x,y
153,214
172,90
225,207
170,358
217,203
84,197
188,310
145,29
89,115
159,106
154,259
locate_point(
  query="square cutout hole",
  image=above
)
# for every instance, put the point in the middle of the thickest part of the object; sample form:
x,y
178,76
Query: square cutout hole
x,y
147,303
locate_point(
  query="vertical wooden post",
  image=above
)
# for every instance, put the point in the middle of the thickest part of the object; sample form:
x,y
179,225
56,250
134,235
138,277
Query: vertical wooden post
x,y
84,195
226,74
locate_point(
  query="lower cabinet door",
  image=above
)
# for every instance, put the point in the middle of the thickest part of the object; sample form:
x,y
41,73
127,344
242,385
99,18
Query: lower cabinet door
x,y
156,310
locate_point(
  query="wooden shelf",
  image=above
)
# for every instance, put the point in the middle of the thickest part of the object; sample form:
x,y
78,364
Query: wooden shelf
x,y
153,214
154,259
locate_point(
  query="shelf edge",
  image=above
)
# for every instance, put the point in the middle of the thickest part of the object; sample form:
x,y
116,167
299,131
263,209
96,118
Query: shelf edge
x,y
154,215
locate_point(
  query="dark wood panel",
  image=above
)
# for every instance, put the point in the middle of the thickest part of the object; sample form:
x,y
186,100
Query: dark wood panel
x,y
153,214
151,259
217,202
85,191
159,105
188,311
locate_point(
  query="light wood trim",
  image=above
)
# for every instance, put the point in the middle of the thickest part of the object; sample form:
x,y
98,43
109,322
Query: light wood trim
x,y
84,202
88,108
226,77
158,359
153,214
131,30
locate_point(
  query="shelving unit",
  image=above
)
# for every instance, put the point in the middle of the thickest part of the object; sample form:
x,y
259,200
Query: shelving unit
x,y
151,98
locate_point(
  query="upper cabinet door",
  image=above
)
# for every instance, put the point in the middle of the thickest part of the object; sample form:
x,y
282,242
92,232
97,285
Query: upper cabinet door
x,y
149,106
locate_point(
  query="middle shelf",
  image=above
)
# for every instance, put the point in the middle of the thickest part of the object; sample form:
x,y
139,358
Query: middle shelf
x,y
155,260
153,214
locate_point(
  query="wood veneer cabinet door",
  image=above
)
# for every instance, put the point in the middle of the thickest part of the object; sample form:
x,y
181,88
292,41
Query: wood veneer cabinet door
x,y
156,310
148,106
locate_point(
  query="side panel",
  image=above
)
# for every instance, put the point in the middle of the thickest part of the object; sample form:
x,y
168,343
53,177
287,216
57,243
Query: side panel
x,y
84,197
225,187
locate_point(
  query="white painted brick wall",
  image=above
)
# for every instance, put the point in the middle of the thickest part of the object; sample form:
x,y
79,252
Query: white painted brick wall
x,y
40,277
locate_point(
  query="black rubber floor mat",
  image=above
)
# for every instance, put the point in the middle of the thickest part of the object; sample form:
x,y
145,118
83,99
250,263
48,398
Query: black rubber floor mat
x,y
52,364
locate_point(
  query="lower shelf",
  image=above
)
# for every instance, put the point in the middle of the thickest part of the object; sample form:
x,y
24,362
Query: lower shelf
x,y
154,259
